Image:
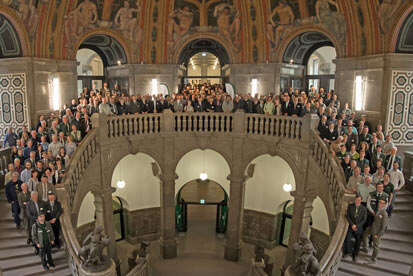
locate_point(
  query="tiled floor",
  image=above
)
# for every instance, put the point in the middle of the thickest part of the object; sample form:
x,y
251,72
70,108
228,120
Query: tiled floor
x,y
200,250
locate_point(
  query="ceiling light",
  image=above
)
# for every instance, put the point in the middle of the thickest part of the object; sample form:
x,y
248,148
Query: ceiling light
x,y
287,187
119,62
121,184
203,176
204,54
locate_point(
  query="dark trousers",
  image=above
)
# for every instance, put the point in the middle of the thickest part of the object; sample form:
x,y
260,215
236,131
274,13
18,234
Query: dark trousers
x,y
56,231
15,208
348,247
46,251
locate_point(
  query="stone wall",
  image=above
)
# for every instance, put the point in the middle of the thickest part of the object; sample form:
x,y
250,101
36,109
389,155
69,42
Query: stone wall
x,y
260,228
320,241
143,224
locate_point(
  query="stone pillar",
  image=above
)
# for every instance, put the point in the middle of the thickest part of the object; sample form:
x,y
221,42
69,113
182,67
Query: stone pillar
x,y
168,241
233,244
303,206
104,218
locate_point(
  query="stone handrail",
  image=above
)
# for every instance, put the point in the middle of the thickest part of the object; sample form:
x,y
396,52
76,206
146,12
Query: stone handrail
x,y
5,159
279,126
203,122
127,125
335,177
78,164
141,268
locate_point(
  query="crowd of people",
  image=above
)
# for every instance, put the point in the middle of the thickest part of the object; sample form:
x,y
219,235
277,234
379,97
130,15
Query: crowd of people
x,y
40,156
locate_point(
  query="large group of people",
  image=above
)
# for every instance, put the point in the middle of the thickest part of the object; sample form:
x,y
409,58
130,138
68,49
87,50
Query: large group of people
x,y
369,158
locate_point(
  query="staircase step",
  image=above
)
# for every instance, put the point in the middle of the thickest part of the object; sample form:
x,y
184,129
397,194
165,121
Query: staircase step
x,y
28,261
36,269
359,269
14,253
11,243
393,236
397,246
390,256
15,234
388,267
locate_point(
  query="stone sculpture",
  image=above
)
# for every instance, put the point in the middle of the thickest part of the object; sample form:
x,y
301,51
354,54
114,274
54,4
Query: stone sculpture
x,y
306,263
91,253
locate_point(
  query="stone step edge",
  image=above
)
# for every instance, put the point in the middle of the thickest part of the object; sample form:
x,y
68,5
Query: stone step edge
x,y
372,267
396,250
26,254
32,264
384,258
52,270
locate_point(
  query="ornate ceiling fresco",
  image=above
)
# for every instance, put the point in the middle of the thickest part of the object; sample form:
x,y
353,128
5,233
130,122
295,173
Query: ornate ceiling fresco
x,y
156,31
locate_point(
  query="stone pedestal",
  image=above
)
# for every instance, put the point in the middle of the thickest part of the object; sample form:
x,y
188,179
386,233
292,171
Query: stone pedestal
x,y
110,271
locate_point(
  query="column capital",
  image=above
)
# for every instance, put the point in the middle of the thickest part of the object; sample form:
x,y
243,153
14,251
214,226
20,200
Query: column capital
x,y
303,197
168,177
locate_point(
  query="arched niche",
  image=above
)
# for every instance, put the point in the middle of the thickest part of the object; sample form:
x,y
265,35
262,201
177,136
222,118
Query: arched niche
x,y
87,210
320,217
403,36
10,43
264,192
196,161
107,44
142,188
203,45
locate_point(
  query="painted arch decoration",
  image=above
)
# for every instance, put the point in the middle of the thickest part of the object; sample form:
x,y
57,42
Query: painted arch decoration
x,y
156,30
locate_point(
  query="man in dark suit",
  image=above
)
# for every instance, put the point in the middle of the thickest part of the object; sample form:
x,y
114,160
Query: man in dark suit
x,y
65,126
296,108
12,190
53,212
322,126
331,134
356,216
32,211
391,159
285,105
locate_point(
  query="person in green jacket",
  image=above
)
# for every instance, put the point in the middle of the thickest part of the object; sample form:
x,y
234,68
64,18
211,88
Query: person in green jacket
x,y
43,237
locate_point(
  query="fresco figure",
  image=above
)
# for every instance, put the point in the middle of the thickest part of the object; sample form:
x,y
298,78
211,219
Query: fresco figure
x,y
126,21
229,30
286,17
69,29
176,30
385,12
331,19
107,10
84,15
29,15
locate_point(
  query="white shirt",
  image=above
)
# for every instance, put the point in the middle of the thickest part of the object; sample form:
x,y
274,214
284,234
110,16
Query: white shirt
x,y
397,179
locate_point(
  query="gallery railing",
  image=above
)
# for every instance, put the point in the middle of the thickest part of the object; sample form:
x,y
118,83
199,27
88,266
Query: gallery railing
x,y
297,129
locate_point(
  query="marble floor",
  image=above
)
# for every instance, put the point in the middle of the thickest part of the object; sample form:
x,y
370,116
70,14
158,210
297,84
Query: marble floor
x,y
200,250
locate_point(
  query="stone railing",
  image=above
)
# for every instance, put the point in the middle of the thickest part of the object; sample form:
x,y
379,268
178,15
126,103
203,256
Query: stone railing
x,y
5,160
294,129
408,170
78,164
334,175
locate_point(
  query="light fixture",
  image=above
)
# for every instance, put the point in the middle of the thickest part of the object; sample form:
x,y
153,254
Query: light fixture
x,y
287,187
291,61
254,86
121,184
204,54
154,86
56,93
359,93
203,176
119,62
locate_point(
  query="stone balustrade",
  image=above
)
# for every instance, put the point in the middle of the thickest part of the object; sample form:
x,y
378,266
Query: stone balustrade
x,y
408,170
110,133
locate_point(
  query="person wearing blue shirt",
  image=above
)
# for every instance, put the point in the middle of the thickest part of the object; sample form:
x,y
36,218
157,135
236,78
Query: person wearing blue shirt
x,y
10,139
13,188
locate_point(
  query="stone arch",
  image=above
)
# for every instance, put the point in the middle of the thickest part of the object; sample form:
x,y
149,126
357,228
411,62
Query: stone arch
x,y
218,175
85,211
399,28
340,49
11,15
180,46
105,33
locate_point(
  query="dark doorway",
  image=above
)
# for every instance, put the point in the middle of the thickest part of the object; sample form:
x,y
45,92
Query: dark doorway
x,y
118,218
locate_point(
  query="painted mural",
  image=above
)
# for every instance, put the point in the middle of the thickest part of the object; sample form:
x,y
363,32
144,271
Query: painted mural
x,y
154,31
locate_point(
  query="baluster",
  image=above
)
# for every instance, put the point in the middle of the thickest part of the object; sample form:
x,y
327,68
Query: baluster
x,y
203,118
148,124
214,123
185,123
263,125
282,127
219,118
176,123
141,128
197,126
112,124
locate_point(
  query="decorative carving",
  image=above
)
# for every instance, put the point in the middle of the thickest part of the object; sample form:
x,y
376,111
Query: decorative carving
x,y
306,264
91,253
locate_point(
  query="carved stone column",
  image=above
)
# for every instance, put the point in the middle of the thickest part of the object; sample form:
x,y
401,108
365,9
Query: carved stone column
x,y
104,217
303,206
168,241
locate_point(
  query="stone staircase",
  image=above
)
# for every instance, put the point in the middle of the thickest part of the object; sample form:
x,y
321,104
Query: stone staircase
x,y
16,257
396,252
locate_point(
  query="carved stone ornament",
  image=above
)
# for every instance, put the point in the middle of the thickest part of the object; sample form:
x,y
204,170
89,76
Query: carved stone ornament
x,y
305,263
91,253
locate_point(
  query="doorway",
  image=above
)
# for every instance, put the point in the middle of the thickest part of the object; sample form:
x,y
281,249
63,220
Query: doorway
x,y
321,69
202,193
203,68
118,218
90,70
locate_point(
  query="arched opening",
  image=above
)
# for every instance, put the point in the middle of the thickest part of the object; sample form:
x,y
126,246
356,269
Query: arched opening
x,y
309,63
267,201
10,45
203,59
202,175
87,216
136,201
404,43
95,54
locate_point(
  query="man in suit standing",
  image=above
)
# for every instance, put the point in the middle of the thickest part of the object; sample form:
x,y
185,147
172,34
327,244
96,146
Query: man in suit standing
x,y
391,159
378,228
44,188
53,212
356,216
330,134
32,211
24,198
296,108
13,188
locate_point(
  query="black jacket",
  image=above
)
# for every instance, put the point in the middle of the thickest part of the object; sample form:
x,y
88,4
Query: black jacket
x,y
55,212
359,220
